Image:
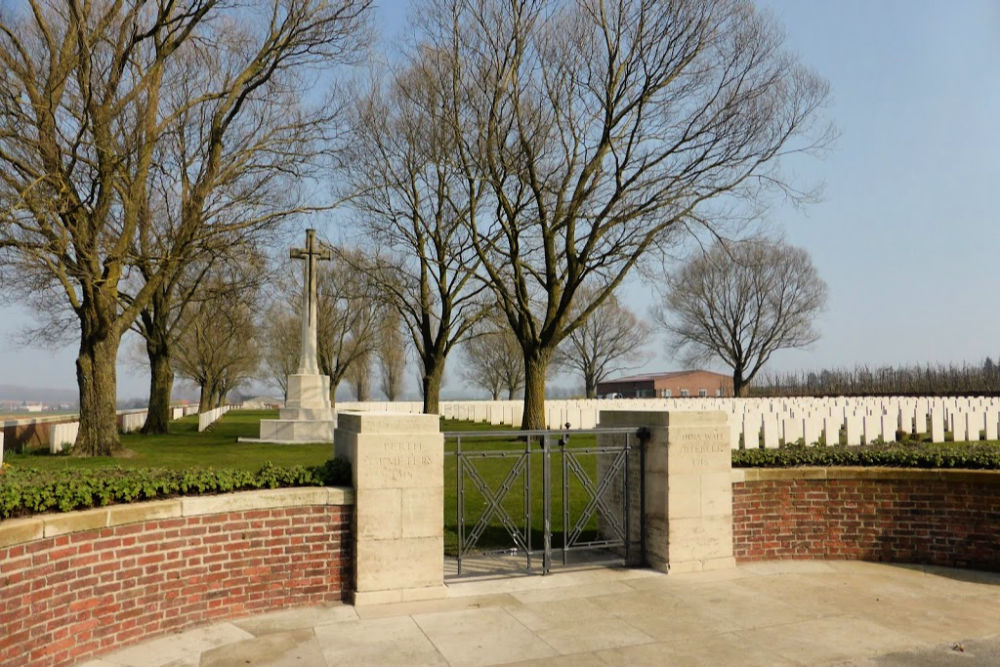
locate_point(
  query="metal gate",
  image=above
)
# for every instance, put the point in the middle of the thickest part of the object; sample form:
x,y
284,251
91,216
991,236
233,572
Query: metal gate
x,y
498,497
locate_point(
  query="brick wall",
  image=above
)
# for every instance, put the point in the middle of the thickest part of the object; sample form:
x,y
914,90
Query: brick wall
x,y
903,516
83,593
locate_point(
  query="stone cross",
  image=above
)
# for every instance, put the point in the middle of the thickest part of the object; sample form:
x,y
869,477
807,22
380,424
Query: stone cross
x,y
312,253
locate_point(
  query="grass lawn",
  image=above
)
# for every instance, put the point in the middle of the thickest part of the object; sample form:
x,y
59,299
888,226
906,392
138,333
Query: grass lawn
x,y
494,470
184,447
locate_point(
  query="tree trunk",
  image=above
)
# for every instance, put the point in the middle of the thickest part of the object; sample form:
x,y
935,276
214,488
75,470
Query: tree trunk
x,y
739,387
535,367
590,383
97,380
362,390
433,373
206,398
161,385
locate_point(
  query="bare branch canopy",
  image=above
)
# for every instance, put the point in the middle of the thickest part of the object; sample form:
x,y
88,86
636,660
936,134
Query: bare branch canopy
x,y
740,302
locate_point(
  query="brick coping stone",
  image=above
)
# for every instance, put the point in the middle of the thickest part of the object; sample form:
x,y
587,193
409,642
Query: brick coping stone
x,y
18,531
958,475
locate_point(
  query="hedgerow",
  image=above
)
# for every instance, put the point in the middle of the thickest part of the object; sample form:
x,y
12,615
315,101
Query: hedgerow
x,y
25,491
979,456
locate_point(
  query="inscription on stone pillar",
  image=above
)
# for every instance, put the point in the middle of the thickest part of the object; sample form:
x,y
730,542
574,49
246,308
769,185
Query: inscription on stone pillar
x,y
398,469
688,487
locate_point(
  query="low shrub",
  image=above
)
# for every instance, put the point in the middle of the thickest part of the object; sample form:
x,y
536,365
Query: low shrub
x,y
978,456
25,491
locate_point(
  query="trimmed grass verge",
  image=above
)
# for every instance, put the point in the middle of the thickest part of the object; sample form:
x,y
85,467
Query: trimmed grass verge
x,y
966,455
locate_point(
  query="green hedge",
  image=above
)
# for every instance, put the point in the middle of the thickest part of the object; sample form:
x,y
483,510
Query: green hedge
x,y
27,491
978,456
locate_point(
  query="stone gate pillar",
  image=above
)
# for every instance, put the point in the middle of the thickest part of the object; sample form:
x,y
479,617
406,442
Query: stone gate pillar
x,y
688,521
397,465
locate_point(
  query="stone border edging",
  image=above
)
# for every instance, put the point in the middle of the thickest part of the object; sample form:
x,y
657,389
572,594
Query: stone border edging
x,y
965,475
17,531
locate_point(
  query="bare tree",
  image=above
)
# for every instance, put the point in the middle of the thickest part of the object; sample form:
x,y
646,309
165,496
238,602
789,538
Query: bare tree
x,y
349,316
493,360
399,171
86,96
359,376
281,331
216,350
208,277
391,356
740,302
273,141
609,341
597,128
911,380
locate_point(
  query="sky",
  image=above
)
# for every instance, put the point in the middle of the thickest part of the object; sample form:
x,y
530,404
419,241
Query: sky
x,y
906,233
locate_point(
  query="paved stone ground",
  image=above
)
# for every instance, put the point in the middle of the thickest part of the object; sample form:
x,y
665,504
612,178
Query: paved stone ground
x,y
773,613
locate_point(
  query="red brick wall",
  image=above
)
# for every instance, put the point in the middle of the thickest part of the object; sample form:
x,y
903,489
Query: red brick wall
x,y
68,597
930,521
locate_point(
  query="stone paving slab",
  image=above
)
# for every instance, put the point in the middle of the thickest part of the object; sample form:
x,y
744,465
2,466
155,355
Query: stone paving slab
x,y
771,613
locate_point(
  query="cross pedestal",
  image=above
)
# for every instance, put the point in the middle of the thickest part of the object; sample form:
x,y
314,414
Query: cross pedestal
x,y
307,415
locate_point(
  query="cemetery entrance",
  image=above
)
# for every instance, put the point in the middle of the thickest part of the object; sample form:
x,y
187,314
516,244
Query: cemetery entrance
x,y
529,501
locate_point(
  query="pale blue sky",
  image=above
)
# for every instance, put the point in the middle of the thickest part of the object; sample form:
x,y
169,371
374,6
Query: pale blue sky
x,y
906,234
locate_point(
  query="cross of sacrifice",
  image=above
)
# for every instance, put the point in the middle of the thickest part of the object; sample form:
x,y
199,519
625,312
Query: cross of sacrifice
x,y
312,253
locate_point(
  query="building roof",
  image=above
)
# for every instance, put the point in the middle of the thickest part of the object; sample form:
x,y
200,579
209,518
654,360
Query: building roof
x,y
645,377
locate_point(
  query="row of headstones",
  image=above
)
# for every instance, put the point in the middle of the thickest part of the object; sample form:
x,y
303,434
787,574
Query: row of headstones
x,y
761,420
64,434
870,420
209,417
770,430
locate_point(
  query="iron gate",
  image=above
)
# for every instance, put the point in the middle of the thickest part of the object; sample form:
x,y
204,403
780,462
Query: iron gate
x,y
594,490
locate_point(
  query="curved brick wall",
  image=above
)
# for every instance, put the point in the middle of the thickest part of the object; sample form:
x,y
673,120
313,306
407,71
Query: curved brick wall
x,y
936,517
80,584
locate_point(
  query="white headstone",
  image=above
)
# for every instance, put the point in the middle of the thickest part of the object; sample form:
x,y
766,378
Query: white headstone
x,y
937,425
992,417
831,430
811,428
959,427
888,428
770,431
791,428
853,424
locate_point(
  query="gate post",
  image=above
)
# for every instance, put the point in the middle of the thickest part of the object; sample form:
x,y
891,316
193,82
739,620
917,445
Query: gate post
x,y
688,521
397,467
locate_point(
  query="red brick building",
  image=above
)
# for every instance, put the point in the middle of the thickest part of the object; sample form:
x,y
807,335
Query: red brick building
x,y
678,384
